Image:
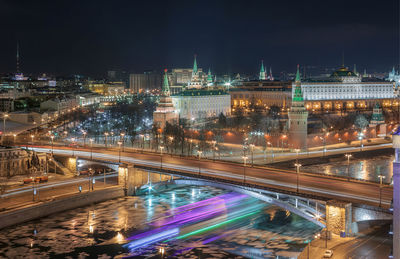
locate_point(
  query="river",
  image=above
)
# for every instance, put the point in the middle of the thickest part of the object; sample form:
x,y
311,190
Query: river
x,y
178,222
364,168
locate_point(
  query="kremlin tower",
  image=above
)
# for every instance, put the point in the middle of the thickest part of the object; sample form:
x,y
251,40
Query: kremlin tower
x,y
165,111
298,117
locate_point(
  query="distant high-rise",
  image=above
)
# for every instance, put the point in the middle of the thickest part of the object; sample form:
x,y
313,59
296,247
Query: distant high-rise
x,y
147,81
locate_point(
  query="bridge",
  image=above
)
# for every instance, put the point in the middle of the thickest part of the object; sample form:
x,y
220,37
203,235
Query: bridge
x,y
308,195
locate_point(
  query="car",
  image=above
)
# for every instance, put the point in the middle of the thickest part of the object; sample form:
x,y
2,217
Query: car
x,y
328,254
28,180
41,179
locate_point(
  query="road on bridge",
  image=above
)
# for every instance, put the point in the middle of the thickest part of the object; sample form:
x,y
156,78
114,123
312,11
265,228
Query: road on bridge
x,y
317,185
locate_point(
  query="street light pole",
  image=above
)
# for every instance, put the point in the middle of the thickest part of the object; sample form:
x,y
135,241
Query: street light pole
x,y
119,151
84,138
199,152
252,154
272,151
105,138
123,141
381,177
348,165
214,142
73,150
161,150
52,138
297,165
297,155
91,149
5,116
244,168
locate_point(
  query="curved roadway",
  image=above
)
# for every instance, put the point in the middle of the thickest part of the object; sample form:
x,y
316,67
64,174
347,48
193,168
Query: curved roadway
x,y
322,186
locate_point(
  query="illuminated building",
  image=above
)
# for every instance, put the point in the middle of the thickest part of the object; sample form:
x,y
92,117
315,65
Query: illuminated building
x,y
261,94
200,101
106,88
165,111
345,90
15,161
196,81
298,117
144,82
393,76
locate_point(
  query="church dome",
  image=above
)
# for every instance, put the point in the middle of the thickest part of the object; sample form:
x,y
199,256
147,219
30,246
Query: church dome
x,y
343,71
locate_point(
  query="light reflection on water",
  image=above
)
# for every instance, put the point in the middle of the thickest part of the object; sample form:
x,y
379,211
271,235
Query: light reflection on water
x,y
179,222
366,169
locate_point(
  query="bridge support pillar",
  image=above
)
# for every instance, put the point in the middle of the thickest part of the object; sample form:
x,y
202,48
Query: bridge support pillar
x,y
339,217
132,178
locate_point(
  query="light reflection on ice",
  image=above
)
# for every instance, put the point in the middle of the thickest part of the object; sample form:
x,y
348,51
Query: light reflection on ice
x,y
85,231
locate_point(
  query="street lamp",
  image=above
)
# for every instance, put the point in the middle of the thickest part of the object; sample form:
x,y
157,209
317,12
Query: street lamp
x,y
105,139
5,116
73,150
297,165
84,138
348,165
171,140
32,136
381,177
119,151
14,135
360,137
272,151
199,152
123,141
283,137
214,142
52,138
252,154
244,168
91,149
297,154
161,149
142,136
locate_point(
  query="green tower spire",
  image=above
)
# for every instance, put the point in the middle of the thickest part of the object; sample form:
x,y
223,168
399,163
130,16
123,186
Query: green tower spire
x,y
209,76
262,71
165,86
194,66
298,95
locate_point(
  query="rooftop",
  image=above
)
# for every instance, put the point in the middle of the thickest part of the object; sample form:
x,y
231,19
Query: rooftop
x,y
201,92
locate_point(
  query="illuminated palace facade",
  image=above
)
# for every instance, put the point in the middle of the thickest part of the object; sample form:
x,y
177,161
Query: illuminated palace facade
x,y
346,90
201,99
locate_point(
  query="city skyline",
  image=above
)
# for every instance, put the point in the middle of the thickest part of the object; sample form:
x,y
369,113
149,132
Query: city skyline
x,y
101,37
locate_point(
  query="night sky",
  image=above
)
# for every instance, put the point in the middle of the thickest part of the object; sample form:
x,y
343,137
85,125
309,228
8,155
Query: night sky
x,y
91,37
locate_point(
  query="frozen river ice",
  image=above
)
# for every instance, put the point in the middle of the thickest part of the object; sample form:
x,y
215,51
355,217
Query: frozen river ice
x,y
179,222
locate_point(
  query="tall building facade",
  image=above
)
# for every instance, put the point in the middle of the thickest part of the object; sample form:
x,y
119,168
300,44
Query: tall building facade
x,y
146,81
298,116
